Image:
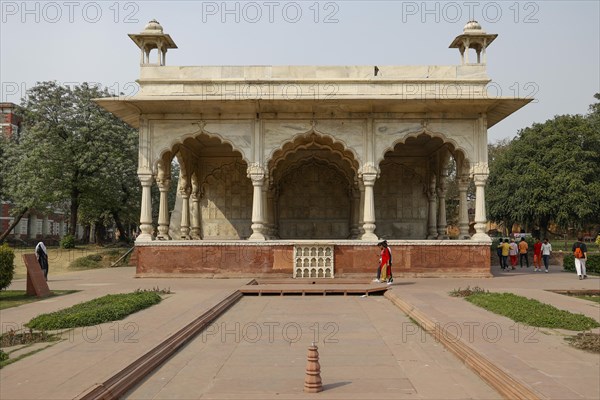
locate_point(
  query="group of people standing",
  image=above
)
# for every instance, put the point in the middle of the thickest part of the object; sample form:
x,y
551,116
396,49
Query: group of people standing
x,y
541,252
511,250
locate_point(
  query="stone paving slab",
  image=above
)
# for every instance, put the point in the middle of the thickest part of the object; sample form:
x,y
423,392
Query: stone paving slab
x,y
89,356
361,355
538,357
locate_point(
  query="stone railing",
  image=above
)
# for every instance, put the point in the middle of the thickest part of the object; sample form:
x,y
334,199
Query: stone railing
x,y
313,261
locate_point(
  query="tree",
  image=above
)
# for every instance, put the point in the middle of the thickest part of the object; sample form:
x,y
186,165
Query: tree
x,y
549,173
72,150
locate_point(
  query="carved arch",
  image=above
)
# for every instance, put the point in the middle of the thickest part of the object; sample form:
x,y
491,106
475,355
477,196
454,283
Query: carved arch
x,y
174,145
306,139
453,146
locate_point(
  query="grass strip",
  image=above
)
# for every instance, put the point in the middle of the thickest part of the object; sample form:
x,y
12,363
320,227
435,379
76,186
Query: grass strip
x,y
532,312
108,308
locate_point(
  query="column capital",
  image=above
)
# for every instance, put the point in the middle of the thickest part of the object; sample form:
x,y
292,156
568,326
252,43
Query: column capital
x,y
146,179
163,183
480,180
463,182
480,169
369,173
256,173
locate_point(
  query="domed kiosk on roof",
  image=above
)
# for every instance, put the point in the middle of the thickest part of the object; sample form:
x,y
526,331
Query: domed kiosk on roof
x,y
473,37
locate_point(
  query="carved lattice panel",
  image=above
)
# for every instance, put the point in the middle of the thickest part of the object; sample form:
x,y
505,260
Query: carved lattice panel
x,y
400,202
313,261
314,204
227,203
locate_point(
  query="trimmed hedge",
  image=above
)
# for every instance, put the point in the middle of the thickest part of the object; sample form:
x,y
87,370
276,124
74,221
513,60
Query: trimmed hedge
x,y
108,308
592,264
7,266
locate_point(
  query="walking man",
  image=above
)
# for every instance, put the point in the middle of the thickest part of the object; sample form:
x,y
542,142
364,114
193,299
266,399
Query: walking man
x,y
546,251
523,246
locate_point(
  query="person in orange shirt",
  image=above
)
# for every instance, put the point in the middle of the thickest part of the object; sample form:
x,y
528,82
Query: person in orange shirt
x,y
537,255
523,247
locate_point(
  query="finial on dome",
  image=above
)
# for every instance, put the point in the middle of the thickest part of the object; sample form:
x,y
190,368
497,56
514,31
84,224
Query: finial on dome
x,y
472,26
153,26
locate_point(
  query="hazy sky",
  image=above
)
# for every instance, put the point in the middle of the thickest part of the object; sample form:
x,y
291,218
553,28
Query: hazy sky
x,y
549,50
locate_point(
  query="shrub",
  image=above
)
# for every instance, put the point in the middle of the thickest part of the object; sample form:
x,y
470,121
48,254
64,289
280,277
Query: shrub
x,y
3,356
67,242
592,264
88,262
467,292
7,266
108,308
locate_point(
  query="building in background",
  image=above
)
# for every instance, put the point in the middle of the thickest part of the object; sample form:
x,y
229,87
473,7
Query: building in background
x,y
10,124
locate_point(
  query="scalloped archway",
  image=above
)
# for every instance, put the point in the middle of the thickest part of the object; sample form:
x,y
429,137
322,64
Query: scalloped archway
x,y
410,194
313,182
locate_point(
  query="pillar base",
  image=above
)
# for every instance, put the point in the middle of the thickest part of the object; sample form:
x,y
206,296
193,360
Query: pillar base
x,y
370,236
144,237
481,237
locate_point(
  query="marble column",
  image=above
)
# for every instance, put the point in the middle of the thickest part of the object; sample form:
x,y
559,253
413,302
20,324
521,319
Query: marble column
x,y
361,207
271,205
266,221
257,174
432,214
442,223
368,177
355,217
480,212
163,210
185,192
195,209
146,209
463,208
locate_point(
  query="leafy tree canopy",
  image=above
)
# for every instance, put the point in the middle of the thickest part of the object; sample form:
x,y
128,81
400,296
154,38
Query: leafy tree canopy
x,y
72,152
549,173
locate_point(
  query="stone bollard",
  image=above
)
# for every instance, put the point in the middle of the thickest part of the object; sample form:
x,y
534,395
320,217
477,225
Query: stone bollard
x,y
312,381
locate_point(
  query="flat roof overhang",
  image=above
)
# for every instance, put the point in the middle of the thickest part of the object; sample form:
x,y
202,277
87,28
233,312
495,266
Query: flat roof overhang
x,y
129,110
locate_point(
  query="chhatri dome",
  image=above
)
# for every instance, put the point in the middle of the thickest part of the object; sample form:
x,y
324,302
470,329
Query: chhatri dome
x,y
153,27
472,26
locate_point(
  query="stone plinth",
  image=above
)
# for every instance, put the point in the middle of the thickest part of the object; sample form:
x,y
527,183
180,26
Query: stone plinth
x,y
463,258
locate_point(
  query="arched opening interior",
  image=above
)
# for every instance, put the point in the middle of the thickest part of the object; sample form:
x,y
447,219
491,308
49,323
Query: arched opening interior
x,y
213,177
314,190
411,192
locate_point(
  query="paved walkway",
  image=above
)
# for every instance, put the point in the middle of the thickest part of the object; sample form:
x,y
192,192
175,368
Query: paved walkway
x,y
538,357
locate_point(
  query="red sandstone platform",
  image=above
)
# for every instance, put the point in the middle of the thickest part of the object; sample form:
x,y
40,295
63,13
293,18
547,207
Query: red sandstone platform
x,y
352,258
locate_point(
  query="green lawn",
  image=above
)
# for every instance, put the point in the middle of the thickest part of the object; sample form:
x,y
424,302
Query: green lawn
x,y
531,312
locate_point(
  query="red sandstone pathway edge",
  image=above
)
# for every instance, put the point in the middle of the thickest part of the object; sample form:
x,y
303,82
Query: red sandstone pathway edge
x,y
508,386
